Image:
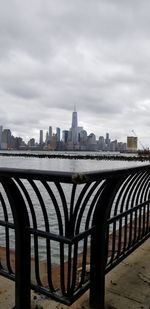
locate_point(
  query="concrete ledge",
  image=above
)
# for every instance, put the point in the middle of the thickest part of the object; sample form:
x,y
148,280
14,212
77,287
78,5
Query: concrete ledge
x,y
127,286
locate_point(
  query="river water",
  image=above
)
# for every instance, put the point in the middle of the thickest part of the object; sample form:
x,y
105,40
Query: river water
x,y
68,165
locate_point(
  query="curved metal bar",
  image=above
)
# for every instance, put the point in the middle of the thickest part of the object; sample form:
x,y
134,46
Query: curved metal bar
x,y
129,227
22,237
88,219
117,228
119,203
39,196
93,205
85,245
139,189
33,215
76,231
72,202
124,201
98,261
6,236
60,225
146,190
147,198
143,190
84,204
140,198
47,229
134,202
128,203
56,206
78,203
64,206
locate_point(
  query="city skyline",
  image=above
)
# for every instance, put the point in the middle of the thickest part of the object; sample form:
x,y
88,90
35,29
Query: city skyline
x,y
74,137
73,124
94,54
36,131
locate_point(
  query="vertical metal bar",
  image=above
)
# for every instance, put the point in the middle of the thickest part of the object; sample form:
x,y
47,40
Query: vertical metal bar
x,y
22,239
130,230
113,252
120,237
97,275
34,222
69,272
22,292
7,238
135,226
99,243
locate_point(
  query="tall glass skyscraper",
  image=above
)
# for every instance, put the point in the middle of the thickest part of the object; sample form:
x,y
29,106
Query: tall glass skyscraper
x,y
50,133
74,127
41,138
58,134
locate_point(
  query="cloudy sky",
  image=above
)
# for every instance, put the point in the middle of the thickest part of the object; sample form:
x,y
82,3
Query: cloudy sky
x,y
91,53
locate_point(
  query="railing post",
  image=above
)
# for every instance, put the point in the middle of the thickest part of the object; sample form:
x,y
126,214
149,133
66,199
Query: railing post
x,y
98,244
97,276
22,240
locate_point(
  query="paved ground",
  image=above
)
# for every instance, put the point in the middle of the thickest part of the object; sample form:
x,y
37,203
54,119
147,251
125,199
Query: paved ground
x,y
127,286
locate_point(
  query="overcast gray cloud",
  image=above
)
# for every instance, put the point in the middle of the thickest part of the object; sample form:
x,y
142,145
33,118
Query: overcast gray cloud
x,y
95,54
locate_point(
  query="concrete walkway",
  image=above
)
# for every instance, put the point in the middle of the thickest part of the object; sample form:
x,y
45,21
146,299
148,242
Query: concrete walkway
x,y
127,286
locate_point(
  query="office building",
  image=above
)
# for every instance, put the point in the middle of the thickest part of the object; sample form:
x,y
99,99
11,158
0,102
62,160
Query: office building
x,y
6,139
41,138
132,143
65,134
46,138
101,143
58,134
31,143
74,128
107,142
83,137
50,133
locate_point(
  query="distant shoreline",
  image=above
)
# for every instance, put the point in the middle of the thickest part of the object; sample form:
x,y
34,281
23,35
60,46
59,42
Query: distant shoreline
x,y
78,156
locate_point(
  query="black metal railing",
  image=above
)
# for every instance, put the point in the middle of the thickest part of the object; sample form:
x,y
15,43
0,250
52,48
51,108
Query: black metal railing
x,y
62,232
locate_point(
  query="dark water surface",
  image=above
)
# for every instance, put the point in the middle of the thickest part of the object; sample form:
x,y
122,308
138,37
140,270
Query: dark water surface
x,y
72,165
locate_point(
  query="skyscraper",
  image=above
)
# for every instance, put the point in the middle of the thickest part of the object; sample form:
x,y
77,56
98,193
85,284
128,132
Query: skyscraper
x,y
107,142
50,133
74,127
65,134
58,134
41,138
132,143
6,139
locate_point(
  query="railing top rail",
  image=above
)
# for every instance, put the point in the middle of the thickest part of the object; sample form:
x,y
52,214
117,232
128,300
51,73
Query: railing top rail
x,y
71,177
